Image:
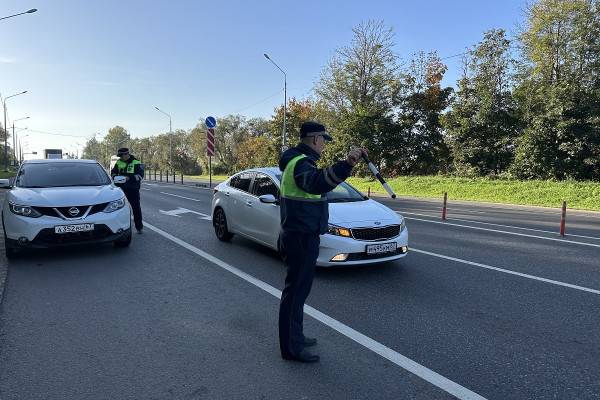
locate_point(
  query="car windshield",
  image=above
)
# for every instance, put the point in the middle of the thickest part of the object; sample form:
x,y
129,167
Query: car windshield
x,y
343,193
61,174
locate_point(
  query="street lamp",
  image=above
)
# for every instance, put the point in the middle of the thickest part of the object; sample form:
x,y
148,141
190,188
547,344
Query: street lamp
x,y
15,140
6,131
19,143
170,137
16,15
284,96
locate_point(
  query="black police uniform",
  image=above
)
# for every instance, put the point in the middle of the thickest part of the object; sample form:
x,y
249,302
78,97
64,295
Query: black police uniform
x,y
301,224
131,187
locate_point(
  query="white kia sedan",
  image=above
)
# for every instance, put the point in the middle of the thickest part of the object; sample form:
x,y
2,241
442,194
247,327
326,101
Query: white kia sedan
x,y
60,202
361,230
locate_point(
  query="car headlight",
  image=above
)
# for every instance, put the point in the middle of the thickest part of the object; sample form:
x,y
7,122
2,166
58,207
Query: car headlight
x,y
115,205
339,231
25,211
402,225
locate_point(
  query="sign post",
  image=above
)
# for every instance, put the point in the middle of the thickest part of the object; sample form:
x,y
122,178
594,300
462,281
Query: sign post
x,y
211,123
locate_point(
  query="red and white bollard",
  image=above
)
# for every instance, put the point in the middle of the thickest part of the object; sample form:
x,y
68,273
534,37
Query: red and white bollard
x,y
563,218
444,207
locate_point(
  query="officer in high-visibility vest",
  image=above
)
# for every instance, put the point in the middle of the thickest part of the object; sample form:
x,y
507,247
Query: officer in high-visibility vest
x,y
130,167
304,216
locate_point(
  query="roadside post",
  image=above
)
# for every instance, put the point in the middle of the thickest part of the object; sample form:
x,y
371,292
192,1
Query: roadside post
x,y
563,218
444,206
211,124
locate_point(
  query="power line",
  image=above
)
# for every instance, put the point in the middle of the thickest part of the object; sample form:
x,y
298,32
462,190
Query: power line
x,y
57,134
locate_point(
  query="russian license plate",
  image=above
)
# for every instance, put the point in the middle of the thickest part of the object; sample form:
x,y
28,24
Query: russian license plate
x,y
382,248
74,228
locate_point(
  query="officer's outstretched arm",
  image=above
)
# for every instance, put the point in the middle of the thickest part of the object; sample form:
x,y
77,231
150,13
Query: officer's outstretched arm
x,y
320,181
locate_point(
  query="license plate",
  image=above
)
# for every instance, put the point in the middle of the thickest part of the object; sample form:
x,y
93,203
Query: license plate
x,y
382,248
74,228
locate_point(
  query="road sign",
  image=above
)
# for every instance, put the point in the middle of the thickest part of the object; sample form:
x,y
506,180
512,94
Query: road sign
x,y
210,142
210,122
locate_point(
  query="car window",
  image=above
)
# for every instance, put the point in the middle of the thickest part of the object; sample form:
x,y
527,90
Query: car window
x,y
264,185
61,174
344,192
242,181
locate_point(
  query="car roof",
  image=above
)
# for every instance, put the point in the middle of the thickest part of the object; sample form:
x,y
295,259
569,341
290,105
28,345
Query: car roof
x,y
57,160
271,171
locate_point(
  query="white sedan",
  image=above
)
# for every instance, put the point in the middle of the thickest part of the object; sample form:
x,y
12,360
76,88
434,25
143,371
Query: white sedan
x,y
361,230
61,202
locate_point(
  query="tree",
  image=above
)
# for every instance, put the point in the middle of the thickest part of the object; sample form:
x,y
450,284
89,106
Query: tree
x,y
420,147
559,91
483,124
93,150
356,92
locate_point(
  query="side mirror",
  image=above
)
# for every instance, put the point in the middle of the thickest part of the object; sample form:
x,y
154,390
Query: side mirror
x,y
119,179
5,184
268,199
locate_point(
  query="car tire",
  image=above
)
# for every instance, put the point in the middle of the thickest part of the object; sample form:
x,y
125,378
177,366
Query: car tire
x,y
10,252
124,241
220,225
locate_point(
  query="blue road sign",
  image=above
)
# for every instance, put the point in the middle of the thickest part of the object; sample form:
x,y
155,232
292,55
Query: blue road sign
x,y
210,122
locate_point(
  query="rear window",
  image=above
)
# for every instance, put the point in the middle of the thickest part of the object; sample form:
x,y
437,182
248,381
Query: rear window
x,y
58,174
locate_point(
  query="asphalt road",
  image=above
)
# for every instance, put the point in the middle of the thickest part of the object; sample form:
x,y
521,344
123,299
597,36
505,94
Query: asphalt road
x,y
492,304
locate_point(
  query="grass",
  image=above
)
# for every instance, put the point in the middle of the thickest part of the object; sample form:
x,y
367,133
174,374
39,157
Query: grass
x,y
579,195
206,177
6,175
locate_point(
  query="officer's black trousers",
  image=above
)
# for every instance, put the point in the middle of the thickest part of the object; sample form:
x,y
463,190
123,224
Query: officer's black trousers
x,y
133,196
300,256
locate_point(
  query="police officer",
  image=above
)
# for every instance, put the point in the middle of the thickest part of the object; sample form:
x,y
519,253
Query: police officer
x,y
130,167
304,216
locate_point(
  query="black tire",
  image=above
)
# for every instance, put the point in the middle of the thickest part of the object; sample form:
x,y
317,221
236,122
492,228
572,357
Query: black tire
x,y
10,252
125,241
220,225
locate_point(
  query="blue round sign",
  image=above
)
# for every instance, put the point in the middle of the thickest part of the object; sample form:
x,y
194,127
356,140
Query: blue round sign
x,y
210,122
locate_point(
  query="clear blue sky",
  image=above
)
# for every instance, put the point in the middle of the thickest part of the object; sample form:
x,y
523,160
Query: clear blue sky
x,y
90,65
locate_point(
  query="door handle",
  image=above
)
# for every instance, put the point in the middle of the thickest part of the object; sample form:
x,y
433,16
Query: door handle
x,y
226,194
248,203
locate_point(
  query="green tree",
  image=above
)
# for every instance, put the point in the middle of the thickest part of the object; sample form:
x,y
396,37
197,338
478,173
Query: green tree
x,y
483,125
559,91
420,148
356,92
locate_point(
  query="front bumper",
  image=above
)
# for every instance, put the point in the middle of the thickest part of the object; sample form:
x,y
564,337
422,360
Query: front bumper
x,y
39,232
332,245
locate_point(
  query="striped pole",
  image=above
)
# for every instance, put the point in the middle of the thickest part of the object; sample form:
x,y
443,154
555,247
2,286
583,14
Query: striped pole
x,y
444,207
375,172
563,218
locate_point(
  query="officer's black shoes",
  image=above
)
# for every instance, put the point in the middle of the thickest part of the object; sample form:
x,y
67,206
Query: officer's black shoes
x,y
140,231
304,356
309,341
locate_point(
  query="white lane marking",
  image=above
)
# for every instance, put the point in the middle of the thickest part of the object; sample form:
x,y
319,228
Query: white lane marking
x,y
182,197
506,232
145,189
507,271
404,362
180,210
504,226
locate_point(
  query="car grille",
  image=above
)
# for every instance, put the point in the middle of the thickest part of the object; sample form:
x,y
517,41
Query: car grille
x,y
48,236
369,234
64,211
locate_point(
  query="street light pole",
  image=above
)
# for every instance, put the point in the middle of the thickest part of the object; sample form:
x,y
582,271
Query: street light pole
x,y
284,98
16,15
15,140
6,131
170,137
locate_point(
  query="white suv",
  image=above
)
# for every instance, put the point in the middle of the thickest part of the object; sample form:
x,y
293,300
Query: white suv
x,y
62,202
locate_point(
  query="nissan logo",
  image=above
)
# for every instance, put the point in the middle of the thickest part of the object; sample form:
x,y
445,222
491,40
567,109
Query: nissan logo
x,y
74,211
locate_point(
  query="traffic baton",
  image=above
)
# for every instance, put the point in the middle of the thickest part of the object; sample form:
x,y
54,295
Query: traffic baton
x,y
375,172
